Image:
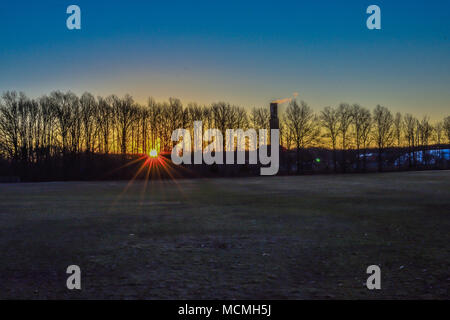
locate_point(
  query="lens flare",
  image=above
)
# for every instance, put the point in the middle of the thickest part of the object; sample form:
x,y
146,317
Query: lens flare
x,y
153,153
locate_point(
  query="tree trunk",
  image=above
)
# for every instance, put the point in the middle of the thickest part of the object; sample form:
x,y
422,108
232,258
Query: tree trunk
x,y
380,160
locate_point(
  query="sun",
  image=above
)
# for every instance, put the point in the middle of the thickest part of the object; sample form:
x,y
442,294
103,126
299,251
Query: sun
x,y
153,153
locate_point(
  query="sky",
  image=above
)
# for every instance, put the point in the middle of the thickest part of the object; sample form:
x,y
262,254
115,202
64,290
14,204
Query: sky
x,y
243,52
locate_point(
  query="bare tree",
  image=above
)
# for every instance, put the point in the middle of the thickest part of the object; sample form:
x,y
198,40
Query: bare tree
x,y
398,129
409,127
88,111
155,120
438,136
286,134
260,118
75,127
175,116
425,130
447,128
330,122
303,124
362,122
9,125
124,112
425,133
104,121
224,116
52,131
47,127
241,119
63,105
438,132
344,114
383,133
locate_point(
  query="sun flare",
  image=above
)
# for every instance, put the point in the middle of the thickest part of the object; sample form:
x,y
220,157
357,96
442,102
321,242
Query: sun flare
x,y
153,153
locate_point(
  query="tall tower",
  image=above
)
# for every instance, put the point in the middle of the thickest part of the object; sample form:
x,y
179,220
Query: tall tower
x,y
274,123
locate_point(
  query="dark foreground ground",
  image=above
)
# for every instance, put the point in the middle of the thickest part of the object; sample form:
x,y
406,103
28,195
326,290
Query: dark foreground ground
x,y
253,238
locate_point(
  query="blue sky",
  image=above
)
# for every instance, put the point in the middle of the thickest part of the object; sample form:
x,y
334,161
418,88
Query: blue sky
x,y
244,52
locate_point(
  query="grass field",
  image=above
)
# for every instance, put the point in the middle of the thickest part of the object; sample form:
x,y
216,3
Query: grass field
x,y
254,238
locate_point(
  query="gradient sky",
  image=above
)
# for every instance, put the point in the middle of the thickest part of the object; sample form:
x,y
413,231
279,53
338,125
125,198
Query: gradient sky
x,y
243,52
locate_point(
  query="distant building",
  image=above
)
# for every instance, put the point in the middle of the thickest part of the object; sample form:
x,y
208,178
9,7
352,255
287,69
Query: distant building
x,y
424,156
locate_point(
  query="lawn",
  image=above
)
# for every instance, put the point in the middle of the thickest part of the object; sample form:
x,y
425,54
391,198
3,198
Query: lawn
x,y
302,237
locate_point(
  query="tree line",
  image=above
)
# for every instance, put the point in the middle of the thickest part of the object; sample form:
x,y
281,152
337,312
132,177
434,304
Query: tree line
x,y
356,128
63,125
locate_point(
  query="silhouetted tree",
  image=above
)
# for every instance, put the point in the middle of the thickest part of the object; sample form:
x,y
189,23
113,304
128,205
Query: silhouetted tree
x,y
330,122
383,133
398,129
260,118
362,122
303,124
125,113
53,131
409,126
88,112
344,114
447,127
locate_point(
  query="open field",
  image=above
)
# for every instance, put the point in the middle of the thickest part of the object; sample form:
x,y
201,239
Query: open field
x,y
256,238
